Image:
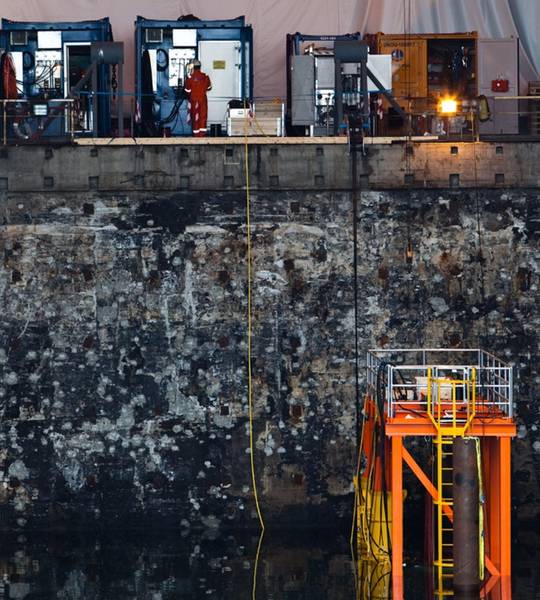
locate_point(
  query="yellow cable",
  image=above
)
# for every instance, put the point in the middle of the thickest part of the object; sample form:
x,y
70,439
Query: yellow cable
x,y
481,543
256,566
249,331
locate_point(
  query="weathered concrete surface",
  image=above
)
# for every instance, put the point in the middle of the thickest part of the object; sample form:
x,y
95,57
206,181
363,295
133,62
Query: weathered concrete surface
x,y
123,342
280,166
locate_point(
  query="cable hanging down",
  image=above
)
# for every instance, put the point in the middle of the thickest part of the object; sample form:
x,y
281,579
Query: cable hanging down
x,y
250,329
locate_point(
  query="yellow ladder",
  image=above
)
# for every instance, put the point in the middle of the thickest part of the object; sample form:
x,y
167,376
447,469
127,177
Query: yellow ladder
x,y
444,560
451,413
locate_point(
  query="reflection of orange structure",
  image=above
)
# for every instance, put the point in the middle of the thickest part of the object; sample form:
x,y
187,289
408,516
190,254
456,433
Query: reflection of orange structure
x,y
420,398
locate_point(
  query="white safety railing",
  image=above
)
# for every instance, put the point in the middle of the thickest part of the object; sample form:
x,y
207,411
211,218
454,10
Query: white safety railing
x,y
405,375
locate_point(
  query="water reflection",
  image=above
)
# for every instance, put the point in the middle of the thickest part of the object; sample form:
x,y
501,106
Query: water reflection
x,y
163,566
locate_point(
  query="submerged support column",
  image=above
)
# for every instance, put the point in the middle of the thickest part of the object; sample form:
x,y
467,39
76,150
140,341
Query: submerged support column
x,y
506,509
466,501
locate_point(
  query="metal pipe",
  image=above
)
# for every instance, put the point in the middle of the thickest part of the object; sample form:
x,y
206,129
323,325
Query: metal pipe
x,y
120,102
95,100
466,545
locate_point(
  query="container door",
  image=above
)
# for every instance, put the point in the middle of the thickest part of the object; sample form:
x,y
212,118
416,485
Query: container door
x,y
498,62
77,61
221,62
409,66
303,89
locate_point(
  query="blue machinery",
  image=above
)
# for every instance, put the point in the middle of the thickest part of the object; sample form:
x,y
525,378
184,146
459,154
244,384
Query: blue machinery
x,y
164,52
51,59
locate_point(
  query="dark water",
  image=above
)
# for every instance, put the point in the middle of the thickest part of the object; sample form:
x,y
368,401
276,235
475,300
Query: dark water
x,y
163,566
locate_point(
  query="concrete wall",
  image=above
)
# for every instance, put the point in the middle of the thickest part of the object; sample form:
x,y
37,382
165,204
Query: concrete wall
x,y
123,336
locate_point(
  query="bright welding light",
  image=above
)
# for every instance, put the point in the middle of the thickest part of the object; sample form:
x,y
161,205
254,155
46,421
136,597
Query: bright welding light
x,y
448,106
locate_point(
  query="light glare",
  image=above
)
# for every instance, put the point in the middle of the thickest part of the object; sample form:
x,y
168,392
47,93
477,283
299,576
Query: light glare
x,y
448,106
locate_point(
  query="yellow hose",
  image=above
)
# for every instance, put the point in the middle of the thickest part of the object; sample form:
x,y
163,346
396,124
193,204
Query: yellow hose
x,y
249,327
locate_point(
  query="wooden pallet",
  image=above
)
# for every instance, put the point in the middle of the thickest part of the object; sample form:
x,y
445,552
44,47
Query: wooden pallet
x,y
268,109
256,126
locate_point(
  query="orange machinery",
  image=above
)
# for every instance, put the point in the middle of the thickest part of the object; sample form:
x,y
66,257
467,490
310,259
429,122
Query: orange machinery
x,y
440,394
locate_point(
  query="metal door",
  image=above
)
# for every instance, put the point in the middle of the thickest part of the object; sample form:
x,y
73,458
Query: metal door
x,y
221,61
303,89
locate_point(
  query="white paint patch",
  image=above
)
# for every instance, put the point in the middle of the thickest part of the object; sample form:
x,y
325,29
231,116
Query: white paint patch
x,y
189,301
18,469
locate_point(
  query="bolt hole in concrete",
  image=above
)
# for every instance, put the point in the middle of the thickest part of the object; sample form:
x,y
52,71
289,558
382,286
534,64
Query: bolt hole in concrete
x,y
296,411
453,180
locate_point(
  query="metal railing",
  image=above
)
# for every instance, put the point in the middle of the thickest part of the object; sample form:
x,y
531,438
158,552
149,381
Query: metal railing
x,y
406,372
510,116
22,121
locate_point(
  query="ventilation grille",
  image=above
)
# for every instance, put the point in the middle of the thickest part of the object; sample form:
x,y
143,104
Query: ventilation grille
x,y
155,36
18,38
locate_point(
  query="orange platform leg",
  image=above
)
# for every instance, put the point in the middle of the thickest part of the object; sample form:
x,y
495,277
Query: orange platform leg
x,y
506,512
397,518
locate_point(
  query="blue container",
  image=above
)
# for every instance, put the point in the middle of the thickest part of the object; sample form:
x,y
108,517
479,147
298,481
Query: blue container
x,y
163,53
50,58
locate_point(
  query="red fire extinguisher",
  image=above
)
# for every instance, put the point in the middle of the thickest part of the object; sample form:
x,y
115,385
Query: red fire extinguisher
x,y
500,85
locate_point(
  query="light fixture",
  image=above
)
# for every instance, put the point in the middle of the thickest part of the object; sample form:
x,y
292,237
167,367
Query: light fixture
x,y
448,106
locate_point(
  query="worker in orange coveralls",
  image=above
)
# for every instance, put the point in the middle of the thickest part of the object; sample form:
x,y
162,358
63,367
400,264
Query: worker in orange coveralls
x,y
197,84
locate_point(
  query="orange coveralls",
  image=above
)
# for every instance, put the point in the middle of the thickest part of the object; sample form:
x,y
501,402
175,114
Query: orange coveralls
x,y
197,84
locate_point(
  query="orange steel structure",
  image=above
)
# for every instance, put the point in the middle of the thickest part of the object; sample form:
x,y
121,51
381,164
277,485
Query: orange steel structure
x,y
400,404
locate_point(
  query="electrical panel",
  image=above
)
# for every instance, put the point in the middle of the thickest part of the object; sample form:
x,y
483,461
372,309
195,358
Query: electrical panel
x,y
303,90
179,59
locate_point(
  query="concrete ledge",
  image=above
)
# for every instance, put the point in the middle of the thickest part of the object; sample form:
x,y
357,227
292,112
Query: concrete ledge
x,y
252,141
319,164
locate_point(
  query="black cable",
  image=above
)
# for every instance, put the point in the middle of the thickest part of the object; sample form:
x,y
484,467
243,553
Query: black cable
x,y
175,111
354,174
480,253
372,586
380,406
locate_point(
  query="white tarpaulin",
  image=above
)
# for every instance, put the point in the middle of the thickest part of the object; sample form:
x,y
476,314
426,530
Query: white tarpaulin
x,y
273,19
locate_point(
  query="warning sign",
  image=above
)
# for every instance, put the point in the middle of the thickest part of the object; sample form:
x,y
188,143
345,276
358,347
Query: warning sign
x,y
219,64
